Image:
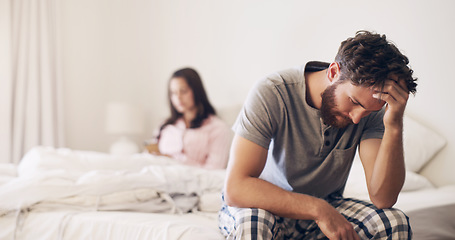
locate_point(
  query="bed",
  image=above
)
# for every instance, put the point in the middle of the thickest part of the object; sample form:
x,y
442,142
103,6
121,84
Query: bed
x,y
58,193
70,194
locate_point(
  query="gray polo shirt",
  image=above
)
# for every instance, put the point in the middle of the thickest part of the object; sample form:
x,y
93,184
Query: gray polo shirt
x,y
304,155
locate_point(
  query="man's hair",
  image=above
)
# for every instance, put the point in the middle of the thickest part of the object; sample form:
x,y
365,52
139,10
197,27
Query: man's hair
x,y
369,59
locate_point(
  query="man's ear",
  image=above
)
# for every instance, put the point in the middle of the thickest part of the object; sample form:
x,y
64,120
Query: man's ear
x,y
333,72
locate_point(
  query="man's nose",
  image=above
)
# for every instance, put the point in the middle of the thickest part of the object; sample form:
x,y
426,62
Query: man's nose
x,y
356,115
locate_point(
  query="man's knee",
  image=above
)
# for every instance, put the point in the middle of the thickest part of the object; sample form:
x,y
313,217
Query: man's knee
x,y
388,224
399,222
252,223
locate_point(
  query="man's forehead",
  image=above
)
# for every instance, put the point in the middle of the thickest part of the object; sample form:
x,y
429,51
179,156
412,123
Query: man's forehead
x,y
364,96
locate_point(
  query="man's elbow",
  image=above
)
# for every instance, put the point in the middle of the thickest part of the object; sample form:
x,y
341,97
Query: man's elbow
x,y
383,203
232,195
229,199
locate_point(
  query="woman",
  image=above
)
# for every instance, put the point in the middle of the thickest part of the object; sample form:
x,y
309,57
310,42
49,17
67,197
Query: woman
x,y
193,134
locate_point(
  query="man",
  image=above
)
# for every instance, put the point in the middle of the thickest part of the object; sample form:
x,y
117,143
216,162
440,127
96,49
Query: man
x,y
295,140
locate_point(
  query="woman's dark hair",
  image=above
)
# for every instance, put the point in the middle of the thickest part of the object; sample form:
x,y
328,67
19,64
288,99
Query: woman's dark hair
x,y
369,59
201,101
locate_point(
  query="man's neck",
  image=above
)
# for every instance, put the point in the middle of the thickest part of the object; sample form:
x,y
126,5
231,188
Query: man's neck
x,y
316,83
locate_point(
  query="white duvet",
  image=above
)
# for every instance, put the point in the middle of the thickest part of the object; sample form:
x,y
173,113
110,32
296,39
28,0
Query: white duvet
x,y
51,178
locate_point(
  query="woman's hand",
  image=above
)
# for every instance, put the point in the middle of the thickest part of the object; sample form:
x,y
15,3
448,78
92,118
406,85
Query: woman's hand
x,y
153,149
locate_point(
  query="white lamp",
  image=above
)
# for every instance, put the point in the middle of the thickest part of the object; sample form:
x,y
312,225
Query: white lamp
x,y
124,120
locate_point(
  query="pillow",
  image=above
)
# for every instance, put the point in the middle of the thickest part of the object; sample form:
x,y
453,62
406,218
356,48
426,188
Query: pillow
x,y
415,181
420,144
356,185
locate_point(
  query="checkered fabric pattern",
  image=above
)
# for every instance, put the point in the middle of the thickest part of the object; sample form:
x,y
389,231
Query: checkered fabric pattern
x,y
368,221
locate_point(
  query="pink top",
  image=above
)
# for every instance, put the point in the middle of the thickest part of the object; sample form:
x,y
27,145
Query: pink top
x,y
207,146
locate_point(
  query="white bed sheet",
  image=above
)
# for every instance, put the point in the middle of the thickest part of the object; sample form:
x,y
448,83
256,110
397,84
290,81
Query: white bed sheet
x,y
39,223
70,225
90,181
425,198
419,199
41,198
61,225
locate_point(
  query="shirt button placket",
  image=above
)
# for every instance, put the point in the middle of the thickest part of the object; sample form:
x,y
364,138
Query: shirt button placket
x,y
326,138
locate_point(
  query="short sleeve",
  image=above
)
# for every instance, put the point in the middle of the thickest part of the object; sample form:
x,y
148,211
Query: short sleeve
x,y
374,126
259,117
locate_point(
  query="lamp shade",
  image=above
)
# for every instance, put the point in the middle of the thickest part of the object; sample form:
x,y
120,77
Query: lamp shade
x,y
124,119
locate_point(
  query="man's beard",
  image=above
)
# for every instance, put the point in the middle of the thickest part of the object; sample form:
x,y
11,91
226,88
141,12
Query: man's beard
x,y
328,110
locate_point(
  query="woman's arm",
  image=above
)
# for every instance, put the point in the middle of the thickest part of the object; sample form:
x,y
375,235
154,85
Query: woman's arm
x,y
220,140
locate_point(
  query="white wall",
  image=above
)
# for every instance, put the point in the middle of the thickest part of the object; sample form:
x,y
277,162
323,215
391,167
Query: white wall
x,y
126,51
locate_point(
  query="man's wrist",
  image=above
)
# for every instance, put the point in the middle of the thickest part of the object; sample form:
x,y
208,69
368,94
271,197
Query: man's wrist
x,y
320,209
396,130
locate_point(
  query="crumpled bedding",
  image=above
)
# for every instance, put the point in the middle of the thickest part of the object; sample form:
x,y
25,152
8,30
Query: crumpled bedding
x,y
49,178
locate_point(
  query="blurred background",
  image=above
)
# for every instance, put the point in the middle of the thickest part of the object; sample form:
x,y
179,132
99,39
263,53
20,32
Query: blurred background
x,y
107,51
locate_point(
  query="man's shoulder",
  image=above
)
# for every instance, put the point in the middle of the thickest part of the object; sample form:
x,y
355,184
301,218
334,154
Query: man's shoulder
x,y
287,76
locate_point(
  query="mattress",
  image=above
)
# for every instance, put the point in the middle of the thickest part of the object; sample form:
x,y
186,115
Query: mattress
x,y
115,225
426,198
65,194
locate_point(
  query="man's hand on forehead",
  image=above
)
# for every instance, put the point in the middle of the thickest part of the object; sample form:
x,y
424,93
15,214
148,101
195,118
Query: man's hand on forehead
x,y
394,83
399,82
395,94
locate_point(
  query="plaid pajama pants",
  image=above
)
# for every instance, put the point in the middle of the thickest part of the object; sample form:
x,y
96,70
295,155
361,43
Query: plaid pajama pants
x,y
368,221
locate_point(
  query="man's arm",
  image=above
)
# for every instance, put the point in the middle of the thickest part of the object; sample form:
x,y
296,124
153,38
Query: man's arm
x,y
383,160
244,189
